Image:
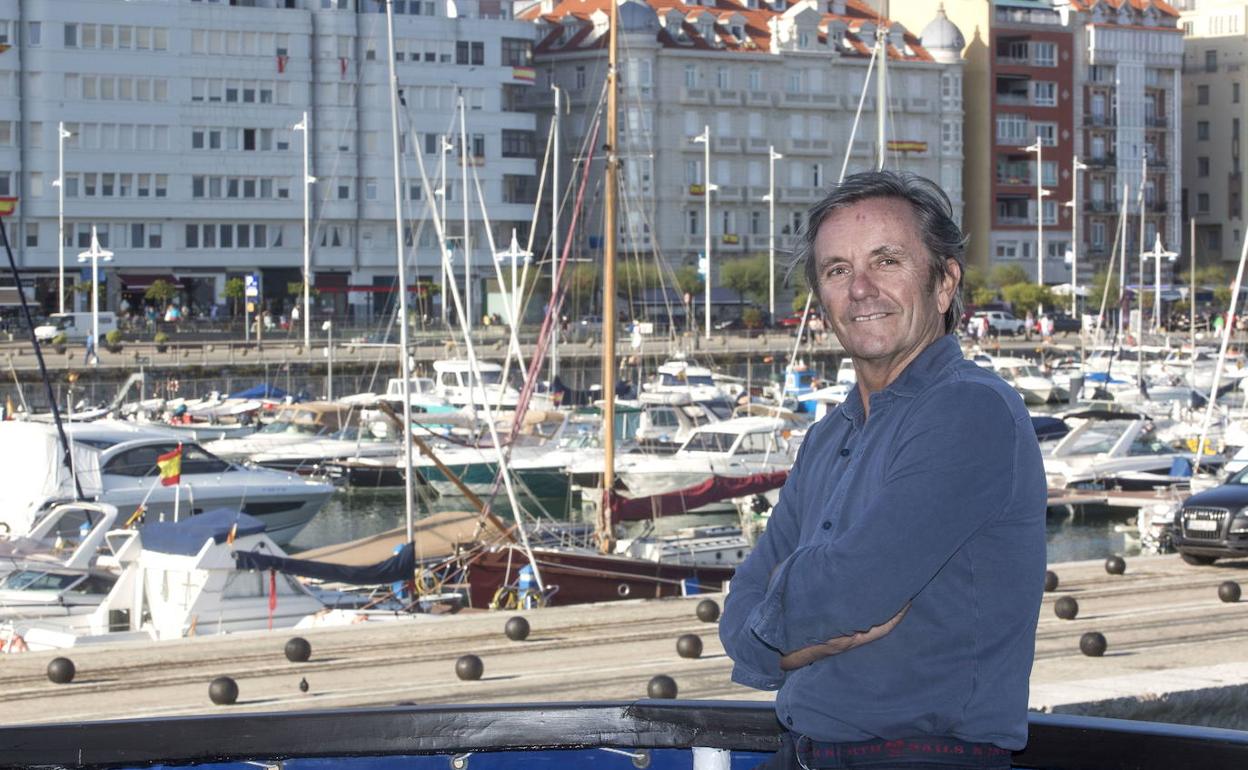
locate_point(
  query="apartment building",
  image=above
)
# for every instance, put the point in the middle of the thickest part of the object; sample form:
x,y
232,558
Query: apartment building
x,y
1096,80
182,150
760,78
1215,76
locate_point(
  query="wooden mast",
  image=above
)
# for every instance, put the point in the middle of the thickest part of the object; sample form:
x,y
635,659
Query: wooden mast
x,y
605,536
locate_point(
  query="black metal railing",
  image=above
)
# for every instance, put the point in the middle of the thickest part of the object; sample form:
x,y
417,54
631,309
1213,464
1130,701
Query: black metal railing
x,y
1057,742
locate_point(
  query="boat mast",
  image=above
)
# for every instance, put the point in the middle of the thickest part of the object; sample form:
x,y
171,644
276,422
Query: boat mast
x,y
554,240
400,280
606,540
881,85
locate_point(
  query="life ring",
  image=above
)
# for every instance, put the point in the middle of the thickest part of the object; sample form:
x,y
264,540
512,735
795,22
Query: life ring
x,y
172,386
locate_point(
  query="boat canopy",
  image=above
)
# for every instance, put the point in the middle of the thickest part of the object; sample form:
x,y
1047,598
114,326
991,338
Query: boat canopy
x,y
712,490
186,537
401,566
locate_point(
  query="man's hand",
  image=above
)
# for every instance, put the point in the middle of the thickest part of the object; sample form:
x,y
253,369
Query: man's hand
x,y
835,646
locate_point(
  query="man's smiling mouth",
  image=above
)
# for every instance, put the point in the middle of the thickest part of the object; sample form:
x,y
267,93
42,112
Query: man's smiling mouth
x,y
868,317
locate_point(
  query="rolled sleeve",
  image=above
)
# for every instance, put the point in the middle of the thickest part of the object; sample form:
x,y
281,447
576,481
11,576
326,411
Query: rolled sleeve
x,y
951,472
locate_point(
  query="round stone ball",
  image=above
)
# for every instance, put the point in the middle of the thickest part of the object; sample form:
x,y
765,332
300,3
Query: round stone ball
x,y
1050,581
517,629
1092,644
1229,592
708,611
61,671
298,650
469,668
689,646
661,686
223,691
1066,608
1115,565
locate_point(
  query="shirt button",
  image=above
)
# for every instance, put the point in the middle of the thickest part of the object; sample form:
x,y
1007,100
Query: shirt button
x,y
827,525
845,452
789,720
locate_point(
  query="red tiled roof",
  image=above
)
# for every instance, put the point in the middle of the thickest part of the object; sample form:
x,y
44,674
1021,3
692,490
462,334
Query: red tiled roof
x,y
756,28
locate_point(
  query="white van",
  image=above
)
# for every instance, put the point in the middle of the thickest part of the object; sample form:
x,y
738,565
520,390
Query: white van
x,y
75,326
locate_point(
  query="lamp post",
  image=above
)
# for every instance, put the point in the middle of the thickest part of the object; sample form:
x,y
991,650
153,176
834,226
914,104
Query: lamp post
x,y
303,127
1038,148
95,254
704,138
1157,254
1075,167
61,136
773,156
328,328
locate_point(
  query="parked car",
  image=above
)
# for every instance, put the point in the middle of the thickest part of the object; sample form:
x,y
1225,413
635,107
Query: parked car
x,y
1062,324
1214,524
1000,322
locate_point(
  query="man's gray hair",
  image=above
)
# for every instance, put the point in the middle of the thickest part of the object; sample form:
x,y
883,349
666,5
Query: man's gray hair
x,y
932,211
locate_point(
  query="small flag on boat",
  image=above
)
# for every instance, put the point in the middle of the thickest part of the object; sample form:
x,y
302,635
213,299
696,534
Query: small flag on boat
x,y
527,74
170,465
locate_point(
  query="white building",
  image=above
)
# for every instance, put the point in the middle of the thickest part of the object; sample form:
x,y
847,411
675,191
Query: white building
x,y
759,75
183,156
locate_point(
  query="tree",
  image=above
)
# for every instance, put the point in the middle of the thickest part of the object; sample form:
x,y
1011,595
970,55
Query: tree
x,y
634,277
1098,290
1007,275
1027,297
84,288
235,290
688,280
583,281
746,276
295,289
160,291
983,295
973,279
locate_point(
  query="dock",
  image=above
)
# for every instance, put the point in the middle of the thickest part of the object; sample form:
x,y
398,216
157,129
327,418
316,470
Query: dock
x,y
1174,651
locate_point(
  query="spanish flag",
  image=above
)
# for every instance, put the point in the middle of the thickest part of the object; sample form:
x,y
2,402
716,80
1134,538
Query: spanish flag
x,y
7,206
170,465
525,74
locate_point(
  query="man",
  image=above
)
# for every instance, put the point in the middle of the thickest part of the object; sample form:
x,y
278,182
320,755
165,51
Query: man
x,y
893,598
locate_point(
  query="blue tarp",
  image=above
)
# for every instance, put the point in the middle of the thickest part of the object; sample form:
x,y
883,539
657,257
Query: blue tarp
x,y
400,567
1048,427
261,391
186,537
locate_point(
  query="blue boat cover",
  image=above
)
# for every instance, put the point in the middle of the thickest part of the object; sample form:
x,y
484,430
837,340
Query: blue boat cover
x,y
400,567
1048,427
261,391
186,537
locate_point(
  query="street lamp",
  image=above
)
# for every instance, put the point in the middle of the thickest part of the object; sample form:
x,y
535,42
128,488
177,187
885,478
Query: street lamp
x,y
328,328
303,127
59,184
770,198
1076,166
704,138
1038,148
1158,253
95,254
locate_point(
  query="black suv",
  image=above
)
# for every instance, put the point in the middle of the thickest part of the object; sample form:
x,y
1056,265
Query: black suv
x,y
1214,524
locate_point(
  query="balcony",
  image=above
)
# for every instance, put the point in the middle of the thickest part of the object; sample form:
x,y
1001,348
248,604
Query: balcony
x,y
830,101
1098,120
799,194
1100,207
758,99
919,104
794,100
1159,161
731,242
727,97
730,144
1021,100
755,193
695,96
1157,121
1016,181
729,193
1101,161
757,144
793,145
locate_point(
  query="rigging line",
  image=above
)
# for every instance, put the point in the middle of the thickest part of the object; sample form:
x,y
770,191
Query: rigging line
x,y
513,348
472,359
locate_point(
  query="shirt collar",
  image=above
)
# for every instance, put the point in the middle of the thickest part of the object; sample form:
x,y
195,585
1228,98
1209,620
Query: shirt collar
x,y
918,374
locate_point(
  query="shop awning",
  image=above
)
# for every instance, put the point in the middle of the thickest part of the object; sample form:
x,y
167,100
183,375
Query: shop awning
x,y
143,281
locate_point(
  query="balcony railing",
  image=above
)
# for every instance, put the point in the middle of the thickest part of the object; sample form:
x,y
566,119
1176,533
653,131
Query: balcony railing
x,y
1097,120
1157,121
1100,207
1102,160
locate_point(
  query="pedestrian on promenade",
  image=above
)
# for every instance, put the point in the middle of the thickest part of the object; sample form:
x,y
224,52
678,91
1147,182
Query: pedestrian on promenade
x,y
893,597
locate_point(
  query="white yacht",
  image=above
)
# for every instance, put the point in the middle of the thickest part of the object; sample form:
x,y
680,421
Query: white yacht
x,y
454,381
292,424
115,462
1109,447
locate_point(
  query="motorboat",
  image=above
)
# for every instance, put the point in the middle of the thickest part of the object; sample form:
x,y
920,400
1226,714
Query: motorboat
x,y
179,579
292,424
680,376
115,462
1109,448
667,419
1024,376
456,383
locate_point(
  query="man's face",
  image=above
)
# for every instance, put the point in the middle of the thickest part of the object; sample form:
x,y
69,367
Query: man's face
x,y
876,285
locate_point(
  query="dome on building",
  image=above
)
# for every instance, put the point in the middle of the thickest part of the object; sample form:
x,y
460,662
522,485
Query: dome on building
x,y
637,16
942,39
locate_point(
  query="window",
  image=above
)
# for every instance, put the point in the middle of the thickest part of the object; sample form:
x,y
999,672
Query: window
x,y
1047,132
34,34
691,76
693,222
1202,130
1044,54
1097,234
32,235
71,35
1044,93
1202,202
1011,129
1202,166
579,83
344,192
1211,61
755,79
1202,94
516,52
723,78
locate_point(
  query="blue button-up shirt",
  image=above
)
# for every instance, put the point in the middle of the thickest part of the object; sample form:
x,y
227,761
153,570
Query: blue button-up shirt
x,y
937,500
